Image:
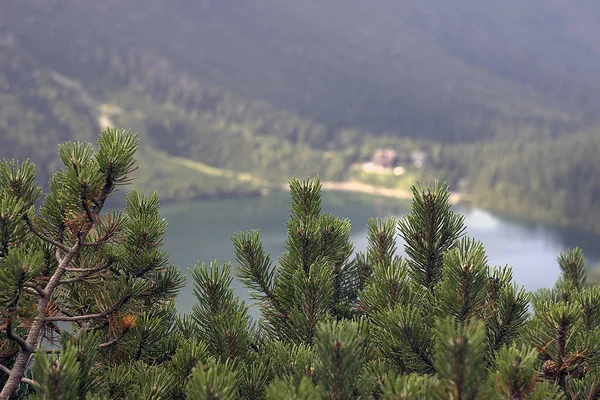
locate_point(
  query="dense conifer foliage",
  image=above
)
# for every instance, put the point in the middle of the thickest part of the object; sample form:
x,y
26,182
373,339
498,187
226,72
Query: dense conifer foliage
x,y
86,298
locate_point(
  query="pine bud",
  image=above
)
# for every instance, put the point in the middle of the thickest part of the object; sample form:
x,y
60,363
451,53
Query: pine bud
x,y
128,321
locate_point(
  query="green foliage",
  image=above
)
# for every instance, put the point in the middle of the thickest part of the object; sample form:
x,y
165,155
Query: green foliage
x,y
567,338
460,358
468,334
315,279
98,281
220,319
462,290
339,349
213,381
429,231
57,378
516,373
411,387
89,297
551,180
572,266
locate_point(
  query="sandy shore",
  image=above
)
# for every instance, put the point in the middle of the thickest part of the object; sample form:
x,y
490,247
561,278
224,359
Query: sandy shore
x,y
359,187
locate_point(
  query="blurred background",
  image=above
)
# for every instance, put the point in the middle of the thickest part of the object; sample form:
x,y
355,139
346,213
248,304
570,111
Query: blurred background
x,y
233,97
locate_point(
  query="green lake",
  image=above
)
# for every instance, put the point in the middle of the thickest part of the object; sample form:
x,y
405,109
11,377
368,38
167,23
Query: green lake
x,y
202,230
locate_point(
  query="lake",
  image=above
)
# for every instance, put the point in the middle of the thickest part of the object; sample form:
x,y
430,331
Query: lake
x,y
202,230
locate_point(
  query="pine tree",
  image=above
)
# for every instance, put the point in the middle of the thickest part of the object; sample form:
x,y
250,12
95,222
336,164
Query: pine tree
x,y
565,329
73,277
314,281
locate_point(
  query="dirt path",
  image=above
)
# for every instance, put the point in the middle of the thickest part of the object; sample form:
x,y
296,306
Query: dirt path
x,y
102,119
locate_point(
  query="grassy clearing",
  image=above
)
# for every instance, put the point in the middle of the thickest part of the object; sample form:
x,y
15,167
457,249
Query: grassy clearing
x,y
214,171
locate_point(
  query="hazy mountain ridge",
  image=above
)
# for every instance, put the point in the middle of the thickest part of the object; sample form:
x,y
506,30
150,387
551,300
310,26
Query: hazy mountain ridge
x,y
318,60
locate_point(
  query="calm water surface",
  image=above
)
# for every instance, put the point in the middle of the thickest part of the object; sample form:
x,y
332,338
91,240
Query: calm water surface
x,y
201,232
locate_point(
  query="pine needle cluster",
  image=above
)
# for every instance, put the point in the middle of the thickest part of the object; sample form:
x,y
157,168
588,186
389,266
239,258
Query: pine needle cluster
x,y
87,303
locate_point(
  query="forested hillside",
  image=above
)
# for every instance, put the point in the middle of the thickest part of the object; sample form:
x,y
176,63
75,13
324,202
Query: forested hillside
x,y
229,97
552,180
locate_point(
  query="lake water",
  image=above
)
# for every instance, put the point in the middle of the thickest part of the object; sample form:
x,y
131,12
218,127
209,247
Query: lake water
x,y
201,231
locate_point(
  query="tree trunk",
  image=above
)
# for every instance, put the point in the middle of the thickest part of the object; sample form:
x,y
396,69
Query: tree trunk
x,y
37,328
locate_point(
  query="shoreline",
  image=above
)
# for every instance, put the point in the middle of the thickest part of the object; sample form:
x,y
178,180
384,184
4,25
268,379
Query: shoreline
x,y
329,186
359,187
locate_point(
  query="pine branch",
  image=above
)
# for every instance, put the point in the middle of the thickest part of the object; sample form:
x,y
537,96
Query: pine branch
x,y
255,270
37,288
5,369
23,380
105,237
32,291
91,217
87,272
116,151
16,338
115,159
44,237
83,325
10,333
107,189
561,339
91,270
52,327
429,230
114,340
97,243
572,266
30,382
77,318
74,280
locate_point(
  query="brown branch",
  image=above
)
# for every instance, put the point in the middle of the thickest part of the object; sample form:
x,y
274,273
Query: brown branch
x,y
107,264
107,188
114,340
44,237
97,243
39,344
88,212
12,309
31,290
87,272
29,382
5,370
54,328
110,232
69,314
73,280
58,256
36,288
37,326
100,346
77,318
23,380
16,338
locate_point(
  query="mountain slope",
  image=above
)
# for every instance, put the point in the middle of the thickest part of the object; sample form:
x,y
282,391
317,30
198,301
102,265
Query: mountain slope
x,y
341,63
553,180
232,95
